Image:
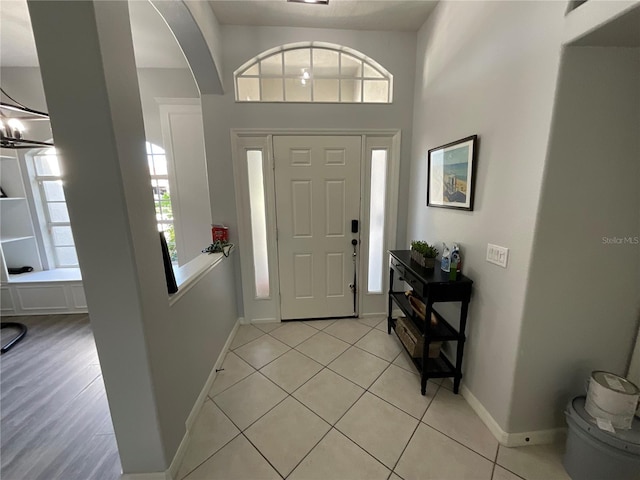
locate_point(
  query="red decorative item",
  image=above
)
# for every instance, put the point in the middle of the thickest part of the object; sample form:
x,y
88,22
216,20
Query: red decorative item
x,y
220,233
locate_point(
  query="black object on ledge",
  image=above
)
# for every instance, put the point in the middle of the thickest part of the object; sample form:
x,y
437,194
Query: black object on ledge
x,y
172,286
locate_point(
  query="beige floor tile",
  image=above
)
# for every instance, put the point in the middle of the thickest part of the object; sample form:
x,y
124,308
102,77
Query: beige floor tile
x,y
249,399
382,326
372,321
329,395
403,360
380,344
268,327
211,431
293,333
500,473
319,324
234,370
359,366
322,348
402,389
239,460
378,427
349,330
451,414
432,455
261,351
534,462
245,334
286,434
337,457
291,370
394,477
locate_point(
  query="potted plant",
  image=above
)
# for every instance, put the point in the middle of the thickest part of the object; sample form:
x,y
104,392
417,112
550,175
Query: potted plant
x,y
423,253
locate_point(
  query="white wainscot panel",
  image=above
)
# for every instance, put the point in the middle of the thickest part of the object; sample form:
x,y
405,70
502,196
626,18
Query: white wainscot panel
x,y
77,296
6,301
42,298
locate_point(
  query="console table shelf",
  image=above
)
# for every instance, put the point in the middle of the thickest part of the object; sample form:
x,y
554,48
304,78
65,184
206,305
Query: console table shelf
x,y
431,286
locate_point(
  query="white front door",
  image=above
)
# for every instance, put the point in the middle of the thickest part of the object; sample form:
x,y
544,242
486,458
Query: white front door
x,y
317,186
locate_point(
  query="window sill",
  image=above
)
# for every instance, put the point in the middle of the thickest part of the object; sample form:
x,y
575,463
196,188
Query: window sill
x,y
190,274
43,276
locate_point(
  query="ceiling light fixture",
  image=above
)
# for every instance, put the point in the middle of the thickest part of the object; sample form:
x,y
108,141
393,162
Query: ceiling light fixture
x,y
11,127
318,2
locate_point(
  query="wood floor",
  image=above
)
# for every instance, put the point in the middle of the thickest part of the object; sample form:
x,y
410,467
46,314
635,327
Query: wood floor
x,y
55,421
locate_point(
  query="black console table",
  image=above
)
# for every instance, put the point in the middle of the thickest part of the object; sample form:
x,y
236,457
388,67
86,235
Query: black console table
x,y
431,286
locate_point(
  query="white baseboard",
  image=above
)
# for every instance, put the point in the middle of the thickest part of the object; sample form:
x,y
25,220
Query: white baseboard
x,y
520,439
146,476
373,315
264,320
212,376
197,406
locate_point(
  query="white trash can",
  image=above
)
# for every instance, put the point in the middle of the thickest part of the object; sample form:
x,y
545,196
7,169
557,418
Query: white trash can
x,y
594,454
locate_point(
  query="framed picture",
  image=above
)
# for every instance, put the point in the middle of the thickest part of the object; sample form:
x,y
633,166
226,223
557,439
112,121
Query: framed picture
x,y
451,172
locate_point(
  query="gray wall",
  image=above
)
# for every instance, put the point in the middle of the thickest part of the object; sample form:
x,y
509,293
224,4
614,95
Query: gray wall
x,y
162,83
583,299
155,357
487,68
393,50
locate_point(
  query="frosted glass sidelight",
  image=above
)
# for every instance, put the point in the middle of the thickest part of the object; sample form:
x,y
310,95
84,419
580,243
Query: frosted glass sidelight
x,y
258,223
377,210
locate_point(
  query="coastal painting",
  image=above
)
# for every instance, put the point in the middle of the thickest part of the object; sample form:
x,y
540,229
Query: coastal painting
x,y
450,174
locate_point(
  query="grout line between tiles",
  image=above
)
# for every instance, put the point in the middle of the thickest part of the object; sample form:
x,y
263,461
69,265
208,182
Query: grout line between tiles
x,y
262,455
457,441
395,465
209,457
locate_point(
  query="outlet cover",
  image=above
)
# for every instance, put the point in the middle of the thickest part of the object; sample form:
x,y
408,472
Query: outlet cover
x,y
497,255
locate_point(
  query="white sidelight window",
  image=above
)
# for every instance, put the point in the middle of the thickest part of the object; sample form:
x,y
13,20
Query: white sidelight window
x,y
377,214
258,223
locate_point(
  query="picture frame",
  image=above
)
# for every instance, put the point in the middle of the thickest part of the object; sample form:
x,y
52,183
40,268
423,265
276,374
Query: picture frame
x,y
451,172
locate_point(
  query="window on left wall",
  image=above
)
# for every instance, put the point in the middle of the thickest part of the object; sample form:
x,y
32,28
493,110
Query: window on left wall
x,y
49,194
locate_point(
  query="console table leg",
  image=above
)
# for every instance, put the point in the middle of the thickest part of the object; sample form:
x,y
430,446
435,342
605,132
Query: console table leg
x,y
389,317
423,384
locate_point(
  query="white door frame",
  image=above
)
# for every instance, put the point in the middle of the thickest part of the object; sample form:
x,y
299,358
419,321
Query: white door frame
x,y
267,309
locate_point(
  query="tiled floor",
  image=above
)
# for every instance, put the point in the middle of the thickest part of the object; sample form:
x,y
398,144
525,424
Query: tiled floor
x,y
340,399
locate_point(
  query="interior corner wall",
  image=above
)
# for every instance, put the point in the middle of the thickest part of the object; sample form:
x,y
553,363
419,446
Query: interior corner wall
x,y
393,50
583,300
487,68
162,83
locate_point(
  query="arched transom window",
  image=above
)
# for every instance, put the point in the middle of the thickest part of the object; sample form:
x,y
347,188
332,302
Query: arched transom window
x,y
313,72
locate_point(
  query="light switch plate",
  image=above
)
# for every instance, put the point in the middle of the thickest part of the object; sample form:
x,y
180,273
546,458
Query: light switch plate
x,y
497,255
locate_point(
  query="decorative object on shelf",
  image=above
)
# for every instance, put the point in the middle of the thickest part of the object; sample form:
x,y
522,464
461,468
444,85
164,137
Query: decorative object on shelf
x,y
11,127
411,337
219,247
19,270
445,261
219,232
2,194
455,265
451,174
423,253
419,308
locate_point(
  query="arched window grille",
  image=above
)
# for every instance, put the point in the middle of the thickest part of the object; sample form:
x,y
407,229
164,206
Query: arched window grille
x,y
313,72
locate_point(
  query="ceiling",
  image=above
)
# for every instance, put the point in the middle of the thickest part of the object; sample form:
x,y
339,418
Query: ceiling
x,y
155,46
399,15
